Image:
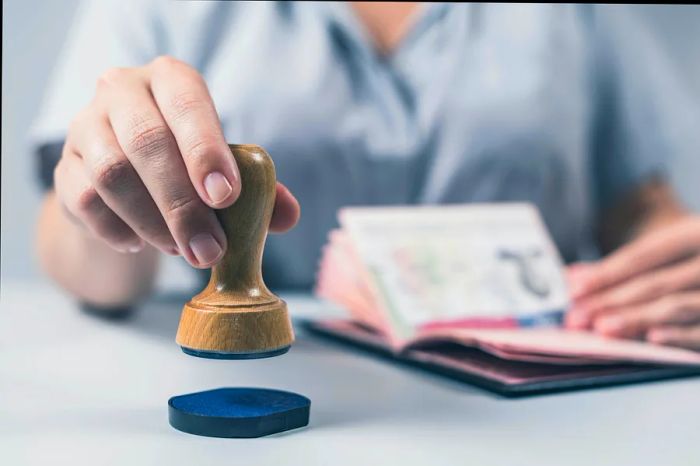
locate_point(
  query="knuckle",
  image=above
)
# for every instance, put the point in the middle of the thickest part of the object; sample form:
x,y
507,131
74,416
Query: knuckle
x,y
111,174
87,201
146,139
165,66
200,151
167,63
184,103
181,208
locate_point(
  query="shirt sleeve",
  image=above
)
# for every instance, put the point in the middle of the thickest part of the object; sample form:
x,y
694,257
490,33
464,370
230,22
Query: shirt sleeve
x,y
645,122
103,34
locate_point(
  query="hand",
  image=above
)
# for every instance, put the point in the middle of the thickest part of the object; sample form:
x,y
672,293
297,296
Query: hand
x,y
147,162
648,289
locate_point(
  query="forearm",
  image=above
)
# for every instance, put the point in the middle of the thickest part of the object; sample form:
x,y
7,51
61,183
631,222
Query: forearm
x,y
87,267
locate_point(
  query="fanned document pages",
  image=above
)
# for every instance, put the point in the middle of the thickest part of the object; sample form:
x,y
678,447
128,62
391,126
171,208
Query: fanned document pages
x,y
478,276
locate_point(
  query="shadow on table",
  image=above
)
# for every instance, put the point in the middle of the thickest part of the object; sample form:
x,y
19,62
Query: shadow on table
x,y
158,317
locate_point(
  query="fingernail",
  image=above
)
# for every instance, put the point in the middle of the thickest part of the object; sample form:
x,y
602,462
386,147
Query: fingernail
x,y
205,248
217,186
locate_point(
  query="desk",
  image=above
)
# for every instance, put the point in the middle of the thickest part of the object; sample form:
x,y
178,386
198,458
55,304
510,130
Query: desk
x,y
77,390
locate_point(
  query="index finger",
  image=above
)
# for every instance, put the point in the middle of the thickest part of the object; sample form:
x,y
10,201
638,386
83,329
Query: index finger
x,y
184,101
645,254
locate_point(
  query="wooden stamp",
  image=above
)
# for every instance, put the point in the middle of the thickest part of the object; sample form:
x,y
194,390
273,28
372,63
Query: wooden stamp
x,y
236,316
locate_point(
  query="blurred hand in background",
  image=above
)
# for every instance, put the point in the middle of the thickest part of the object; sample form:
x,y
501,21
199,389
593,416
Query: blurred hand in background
x,y
648,289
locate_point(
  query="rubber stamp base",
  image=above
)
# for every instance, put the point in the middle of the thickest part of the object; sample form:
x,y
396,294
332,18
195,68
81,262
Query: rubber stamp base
x,y
228,355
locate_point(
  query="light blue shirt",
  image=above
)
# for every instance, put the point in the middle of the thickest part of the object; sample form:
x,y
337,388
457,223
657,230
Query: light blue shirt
x,y
558,105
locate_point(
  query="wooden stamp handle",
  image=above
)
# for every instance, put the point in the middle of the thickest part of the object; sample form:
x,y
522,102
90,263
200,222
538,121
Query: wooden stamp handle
x,y
236,316
245,223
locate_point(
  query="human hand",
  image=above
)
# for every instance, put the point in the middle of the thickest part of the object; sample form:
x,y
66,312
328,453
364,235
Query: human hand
x,y
648,289
146,162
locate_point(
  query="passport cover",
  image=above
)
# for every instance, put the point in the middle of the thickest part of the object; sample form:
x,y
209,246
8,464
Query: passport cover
x,y
505,377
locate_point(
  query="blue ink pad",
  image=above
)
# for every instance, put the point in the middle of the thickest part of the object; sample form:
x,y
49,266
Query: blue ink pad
x,y
238,412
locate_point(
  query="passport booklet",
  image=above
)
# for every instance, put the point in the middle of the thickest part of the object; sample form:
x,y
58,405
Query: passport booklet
x,y
476,292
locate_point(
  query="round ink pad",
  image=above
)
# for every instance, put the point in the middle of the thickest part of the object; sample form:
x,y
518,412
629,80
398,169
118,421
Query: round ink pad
x,y
238,412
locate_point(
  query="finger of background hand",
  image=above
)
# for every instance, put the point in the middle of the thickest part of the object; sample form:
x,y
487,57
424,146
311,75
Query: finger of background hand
x,y
117,182
680,276
286,212
675,309
149,145
183,98
578,268
577,317
644,254
80,198
683,337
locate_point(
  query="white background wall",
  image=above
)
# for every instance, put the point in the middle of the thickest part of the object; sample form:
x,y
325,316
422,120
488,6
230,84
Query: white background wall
x,y
33,32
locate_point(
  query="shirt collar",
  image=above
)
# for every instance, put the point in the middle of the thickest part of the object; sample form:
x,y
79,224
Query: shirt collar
x,y
341,16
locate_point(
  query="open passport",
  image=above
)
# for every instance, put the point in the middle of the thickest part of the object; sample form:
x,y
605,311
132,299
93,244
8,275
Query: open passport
x,y
476,292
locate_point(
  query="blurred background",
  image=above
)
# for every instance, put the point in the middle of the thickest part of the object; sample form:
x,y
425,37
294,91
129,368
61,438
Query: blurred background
x,y
34,31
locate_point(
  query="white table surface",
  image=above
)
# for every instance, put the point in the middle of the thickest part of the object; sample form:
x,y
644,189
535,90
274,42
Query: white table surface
x,y
78,390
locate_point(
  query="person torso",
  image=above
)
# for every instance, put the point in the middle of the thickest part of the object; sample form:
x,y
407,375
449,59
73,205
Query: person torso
x,y
476,104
